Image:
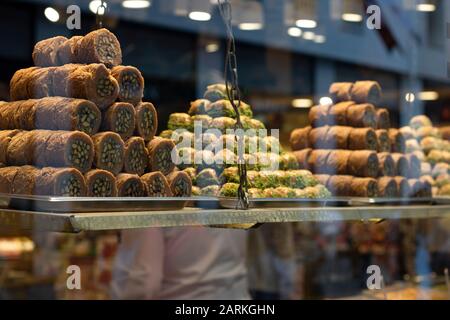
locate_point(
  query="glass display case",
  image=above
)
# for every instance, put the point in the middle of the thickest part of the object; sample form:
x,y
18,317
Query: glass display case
x,y
215,149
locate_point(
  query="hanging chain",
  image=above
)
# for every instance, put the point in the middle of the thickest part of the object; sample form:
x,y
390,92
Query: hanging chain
x,y
234,95
101,10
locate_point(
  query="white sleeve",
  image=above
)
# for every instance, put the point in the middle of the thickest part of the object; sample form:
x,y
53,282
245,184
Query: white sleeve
x,y
138,268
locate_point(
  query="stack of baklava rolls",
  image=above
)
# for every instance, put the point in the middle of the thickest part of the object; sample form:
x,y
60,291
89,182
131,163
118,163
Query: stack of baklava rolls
x,y
352,149
428,143
77,126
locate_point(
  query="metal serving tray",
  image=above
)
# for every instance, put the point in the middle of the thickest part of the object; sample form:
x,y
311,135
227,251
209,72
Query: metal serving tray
x,y
85,204
232,203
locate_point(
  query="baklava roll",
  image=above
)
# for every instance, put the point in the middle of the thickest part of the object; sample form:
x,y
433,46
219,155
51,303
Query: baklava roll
x,y
338,113
131,84
180,184
383,142
136,156
146,120
386,165
45,51
130,185
56,113
100,183
24,182
366,92
398,141
4,143
161,155
20,149
323,178
415,187
337,162
60,182
303,158
121,119
414,166
300,138
361,116
99,46
383,119
364,187
338,137
404,190
426,190
7,112
340,186
401,164
67,51
7,176
156,185
387,188
318,138
64,149
198,107
91,82
109,152
341,91
19,82
318,116
318,161
40,83
362,139
363,164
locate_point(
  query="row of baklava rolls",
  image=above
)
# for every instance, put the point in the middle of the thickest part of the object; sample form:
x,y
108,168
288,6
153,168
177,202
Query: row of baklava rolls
x,y
361,163
93,82
70,182
348,138
58,113
75,149
384,187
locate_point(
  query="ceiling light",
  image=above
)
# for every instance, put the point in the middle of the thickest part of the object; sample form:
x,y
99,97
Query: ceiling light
x,y
319,38
95,4
302,103
410,97
306,23
325,101
199,16
136,4
428,96
352,17
212,47
51,14
308,35
426,7
250,26
295,32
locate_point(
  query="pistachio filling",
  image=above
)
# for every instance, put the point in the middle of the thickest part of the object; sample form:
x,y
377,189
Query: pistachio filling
x,y
70,187
86,120
123,121
102,187
163,159
105,87
133,189
111,153
147,122
157,188
129,85
181,188
106,48
137,158
79,154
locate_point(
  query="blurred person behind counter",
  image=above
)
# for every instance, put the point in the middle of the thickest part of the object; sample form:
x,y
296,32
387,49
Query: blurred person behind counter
x,y
189,263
